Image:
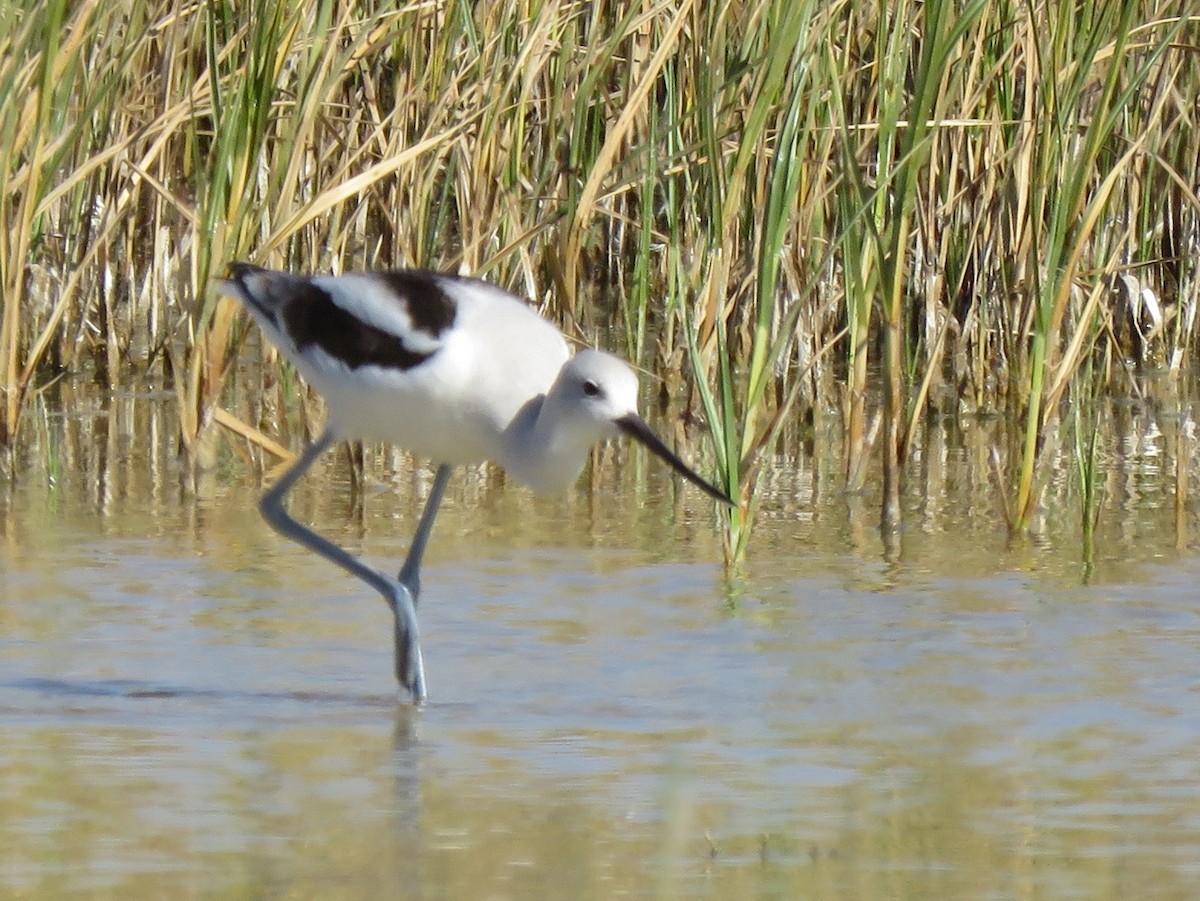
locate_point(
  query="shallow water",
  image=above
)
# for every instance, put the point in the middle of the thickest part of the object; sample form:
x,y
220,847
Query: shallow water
x,y
191,705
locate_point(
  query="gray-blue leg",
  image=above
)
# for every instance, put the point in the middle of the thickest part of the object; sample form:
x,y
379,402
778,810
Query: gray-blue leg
x,y
408,649
399,595
410,578
410,573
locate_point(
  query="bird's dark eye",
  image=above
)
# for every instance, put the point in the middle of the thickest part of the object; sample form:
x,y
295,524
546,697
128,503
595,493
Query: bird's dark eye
x,y
590,388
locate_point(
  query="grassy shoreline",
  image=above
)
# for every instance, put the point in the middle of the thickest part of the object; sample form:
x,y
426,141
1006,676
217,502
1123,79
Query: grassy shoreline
x,y
889,209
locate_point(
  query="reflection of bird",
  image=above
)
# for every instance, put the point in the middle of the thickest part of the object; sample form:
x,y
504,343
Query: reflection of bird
x,y
449,368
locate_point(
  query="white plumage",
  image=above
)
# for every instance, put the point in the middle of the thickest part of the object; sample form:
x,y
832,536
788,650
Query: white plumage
x,y
453,369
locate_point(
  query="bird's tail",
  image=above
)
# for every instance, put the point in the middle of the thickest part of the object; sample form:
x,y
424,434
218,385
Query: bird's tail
x,y
250,285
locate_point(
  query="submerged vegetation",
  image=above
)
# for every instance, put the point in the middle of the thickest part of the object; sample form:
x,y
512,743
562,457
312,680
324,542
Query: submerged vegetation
x,y
891,210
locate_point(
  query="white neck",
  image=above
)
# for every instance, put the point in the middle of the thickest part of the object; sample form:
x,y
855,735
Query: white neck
x,y
546,450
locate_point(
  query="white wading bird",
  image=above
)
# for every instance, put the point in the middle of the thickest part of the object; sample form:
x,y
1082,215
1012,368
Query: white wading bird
x,y
450,368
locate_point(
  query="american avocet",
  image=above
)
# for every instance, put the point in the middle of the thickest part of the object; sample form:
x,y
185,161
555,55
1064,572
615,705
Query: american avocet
x,y
450,368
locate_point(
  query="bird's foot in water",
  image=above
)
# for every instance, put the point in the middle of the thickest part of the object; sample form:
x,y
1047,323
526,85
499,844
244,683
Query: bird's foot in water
x,y
410,668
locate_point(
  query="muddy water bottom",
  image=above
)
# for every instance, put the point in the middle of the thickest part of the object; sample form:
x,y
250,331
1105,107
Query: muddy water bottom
x,y
191,706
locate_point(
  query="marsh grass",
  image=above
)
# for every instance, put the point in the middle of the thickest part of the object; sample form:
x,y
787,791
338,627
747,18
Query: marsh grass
x,y
778,206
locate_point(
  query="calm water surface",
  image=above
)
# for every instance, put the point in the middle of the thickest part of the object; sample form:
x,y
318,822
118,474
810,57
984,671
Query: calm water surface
x,y
192,706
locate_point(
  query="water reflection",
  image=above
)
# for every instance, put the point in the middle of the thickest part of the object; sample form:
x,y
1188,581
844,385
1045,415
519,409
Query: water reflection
x,y
191,705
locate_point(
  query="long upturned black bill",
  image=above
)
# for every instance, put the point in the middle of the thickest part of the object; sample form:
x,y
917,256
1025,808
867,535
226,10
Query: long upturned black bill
x,y
635,427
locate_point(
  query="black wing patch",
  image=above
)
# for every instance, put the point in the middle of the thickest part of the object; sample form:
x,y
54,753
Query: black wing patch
x,y
308,315
429,307
310,318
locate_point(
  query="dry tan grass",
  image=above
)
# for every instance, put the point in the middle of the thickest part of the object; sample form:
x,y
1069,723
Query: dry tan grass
x,y
936,200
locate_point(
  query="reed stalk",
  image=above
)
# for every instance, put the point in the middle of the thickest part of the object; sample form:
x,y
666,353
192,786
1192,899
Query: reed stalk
x,y
1074,149
37,140
900,204
1086,451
